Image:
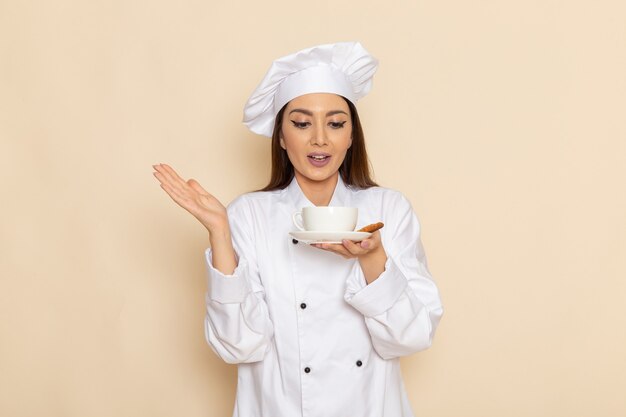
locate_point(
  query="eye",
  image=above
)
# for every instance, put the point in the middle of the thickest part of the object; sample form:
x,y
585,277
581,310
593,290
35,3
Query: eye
x,y
301,125
336,125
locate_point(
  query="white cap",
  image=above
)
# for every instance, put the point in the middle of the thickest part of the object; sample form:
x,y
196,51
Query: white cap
x,y
344,68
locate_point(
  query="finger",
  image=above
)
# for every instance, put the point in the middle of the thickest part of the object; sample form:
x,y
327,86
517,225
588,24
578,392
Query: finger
x,y
170,171
329,246
353,248
170,175
336,248
163,176
161,169
343,254
179,195
175,183
195,185
159,176
174,195
174,187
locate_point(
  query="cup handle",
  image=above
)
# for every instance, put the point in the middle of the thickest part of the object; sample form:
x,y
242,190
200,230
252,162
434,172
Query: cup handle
x,y
297,220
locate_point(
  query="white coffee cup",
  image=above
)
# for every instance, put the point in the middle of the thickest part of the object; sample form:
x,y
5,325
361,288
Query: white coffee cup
x,y
326,219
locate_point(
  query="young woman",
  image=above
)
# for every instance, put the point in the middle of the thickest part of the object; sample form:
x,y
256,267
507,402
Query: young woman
x,y
316,329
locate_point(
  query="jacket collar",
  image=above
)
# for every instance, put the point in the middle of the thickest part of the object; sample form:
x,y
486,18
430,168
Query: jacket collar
x,y
299,200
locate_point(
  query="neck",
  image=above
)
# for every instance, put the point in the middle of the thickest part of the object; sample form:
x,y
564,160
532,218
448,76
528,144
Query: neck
x,y
318,192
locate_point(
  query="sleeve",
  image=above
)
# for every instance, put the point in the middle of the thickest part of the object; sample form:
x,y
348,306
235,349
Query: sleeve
x,y
237,323
402,307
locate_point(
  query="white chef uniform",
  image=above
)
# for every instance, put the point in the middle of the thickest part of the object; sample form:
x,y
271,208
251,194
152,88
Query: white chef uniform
x,y
311,338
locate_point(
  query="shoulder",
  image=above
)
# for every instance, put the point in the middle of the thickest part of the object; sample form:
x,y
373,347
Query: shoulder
x,y
382,195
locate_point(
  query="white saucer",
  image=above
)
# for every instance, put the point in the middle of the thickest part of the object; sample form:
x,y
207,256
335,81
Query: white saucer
x,y
329,237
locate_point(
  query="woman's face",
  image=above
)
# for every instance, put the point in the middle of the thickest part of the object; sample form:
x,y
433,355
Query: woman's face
x,y
316,132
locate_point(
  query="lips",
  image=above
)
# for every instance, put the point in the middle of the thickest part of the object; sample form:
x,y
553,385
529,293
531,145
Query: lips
x,y
319,159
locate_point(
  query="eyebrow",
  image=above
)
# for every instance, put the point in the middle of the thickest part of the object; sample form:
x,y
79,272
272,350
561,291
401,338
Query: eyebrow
x,y
310,113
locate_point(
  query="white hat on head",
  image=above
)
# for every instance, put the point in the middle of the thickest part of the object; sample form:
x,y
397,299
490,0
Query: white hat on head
x,y
344,68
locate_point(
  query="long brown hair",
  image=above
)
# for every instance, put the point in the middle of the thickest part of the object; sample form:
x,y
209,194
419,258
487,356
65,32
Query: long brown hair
x,y
354,171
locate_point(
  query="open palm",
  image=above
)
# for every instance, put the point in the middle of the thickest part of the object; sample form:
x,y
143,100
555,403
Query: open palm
x,y
192,197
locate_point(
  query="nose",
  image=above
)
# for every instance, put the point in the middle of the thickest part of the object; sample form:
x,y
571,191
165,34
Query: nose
x,y
318,135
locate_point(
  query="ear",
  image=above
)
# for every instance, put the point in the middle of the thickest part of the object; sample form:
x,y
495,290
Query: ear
x,y
281,140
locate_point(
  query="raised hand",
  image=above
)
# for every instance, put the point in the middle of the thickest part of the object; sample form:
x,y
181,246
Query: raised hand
x,y
207,209
192,197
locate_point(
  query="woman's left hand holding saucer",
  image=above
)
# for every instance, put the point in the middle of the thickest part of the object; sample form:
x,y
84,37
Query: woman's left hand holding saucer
x,y
349,249
370,252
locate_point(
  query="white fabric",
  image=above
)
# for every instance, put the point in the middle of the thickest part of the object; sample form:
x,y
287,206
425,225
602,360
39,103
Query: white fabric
x,y
319,79
343,68
254,317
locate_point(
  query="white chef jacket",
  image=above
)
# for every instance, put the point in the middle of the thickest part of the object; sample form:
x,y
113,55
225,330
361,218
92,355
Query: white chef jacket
x,y
310,337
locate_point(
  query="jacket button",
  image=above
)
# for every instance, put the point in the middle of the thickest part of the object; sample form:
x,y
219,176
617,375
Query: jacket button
x,y
294,241
359,363
303,306
307,369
